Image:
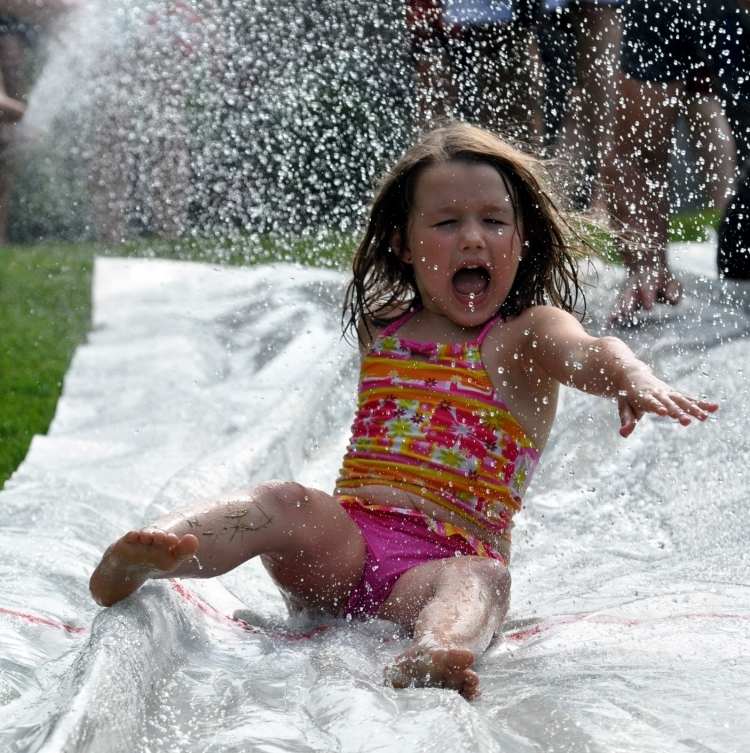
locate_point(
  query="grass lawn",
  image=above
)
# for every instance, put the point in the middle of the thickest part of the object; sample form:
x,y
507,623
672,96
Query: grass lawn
x,y
45,312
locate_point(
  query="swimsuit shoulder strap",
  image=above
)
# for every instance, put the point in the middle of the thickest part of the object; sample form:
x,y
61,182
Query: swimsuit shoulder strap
x,y
486,329
398,323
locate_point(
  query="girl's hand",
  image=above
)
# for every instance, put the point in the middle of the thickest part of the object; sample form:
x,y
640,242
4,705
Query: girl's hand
x,y
644,393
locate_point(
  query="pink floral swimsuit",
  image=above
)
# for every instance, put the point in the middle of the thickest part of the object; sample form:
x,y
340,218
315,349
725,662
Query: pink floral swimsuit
x,y
429,422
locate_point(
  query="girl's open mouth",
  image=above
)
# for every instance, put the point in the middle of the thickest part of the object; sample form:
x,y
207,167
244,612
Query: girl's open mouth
x,y
471,281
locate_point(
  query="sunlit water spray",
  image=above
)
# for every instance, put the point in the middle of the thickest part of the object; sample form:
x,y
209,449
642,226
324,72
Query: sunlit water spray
x,y
219,118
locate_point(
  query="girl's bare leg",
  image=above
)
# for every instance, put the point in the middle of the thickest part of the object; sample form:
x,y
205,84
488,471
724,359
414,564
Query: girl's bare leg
x,y
310,546
454,607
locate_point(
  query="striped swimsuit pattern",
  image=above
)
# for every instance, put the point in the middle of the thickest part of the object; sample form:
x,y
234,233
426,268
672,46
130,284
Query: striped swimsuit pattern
x,y
429,422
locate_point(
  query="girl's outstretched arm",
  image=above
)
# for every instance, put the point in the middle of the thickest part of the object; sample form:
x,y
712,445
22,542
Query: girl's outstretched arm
x,y
606,366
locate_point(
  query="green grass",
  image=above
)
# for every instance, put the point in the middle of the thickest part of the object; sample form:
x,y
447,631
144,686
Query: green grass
x,y
694,225
686,226
45,312
45,309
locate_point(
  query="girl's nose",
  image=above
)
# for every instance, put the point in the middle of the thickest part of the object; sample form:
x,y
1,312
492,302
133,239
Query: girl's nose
x,y
472,236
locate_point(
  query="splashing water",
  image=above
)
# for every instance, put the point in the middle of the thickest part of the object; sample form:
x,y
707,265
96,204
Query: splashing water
x,y
629,626
223,118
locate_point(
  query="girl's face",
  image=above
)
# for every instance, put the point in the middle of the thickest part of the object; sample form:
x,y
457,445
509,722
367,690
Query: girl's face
x,y
463,241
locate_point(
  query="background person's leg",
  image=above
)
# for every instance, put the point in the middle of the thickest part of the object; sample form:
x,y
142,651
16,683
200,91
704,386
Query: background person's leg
x,y
640,193
734,232
587,133
496,73
12,55
435,97
712,139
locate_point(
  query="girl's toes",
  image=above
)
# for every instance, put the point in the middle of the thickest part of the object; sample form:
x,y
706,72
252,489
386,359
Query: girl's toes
x,y
171,540
185,546
470,689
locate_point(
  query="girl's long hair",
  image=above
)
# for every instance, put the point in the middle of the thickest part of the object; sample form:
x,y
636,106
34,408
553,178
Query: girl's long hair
x,y
383,286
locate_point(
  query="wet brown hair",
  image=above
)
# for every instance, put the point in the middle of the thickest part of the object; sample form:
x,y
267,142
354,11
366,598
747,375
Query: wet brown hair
x,y
383,286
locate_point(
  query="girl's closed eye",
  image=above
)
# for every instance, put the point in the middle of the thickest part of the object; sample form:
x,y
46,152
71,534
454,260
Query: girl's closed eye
x,y
444,223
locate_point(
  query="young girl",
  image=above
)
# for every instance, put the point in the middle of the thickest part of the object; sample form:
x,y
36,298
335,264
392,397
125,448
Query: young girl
x,y
462,292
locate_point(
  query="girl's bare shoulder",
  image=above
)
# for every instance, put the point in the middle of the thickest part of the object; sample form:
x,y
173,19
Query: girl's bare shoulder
x,y
524,324
537,320
369,327
516,337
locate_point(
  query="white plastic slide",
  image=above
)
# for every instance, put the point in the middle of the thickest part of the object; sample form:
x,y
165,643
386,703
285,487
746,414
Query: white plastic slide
x,y
629,629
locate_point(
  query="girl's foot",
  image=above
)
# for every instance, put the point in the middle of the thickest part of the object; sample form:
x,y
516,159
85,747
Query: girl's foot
x,y
439,668
136,557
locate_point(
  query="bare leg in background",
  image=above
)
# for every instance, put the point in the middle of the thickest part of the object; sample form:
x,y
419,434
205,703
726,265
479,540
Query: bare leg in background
x,y
12,54
640,195
712,139
588,131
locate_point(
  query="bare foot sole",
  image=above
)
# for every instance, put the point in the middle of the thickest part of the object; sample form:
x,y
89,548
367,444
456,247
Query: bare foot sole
x,y
439,668
136,557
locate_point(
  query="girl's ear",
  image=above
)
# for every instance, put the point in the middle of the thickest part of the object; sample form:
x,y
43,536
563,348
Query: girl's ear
x,y
398,247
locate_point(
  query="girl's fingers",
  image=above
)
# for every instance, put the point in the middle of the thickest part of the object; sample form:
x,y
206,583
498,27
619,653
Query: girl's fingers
x,y
675,405
653,404
629,418
690,406
662,404
676,411
681,407
707,405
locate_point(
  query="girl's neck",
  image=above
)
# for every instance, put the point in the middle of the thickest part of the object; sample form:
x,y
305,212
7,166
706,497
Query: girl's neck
x,y
429,326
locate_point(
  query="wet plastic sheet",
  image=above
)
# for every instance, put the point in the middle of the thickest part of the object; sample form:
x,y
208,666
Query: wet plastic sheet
x,y
630,621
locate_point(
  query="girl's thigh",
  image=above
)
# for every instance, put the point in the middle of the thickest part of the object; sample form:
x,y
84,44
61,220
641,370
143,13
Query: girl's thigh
x,y
320,555
473,587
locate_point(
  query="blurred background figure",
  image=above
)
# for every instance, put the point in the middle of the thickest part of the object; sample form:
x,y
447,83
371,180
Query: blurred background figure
x,y
21,21
542,71
139,164
479,60
712,143
734,232
580,47
15,35
671,51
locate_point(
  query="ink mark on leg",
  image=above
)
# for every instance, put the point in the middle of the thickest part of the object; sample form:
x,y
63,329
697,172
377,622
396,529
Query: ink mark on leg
x,y
267,520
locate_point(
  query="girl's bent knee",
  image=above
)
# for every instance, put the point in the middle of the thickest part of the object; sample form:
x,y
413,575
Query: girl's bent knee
x,y
495,572
282,492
